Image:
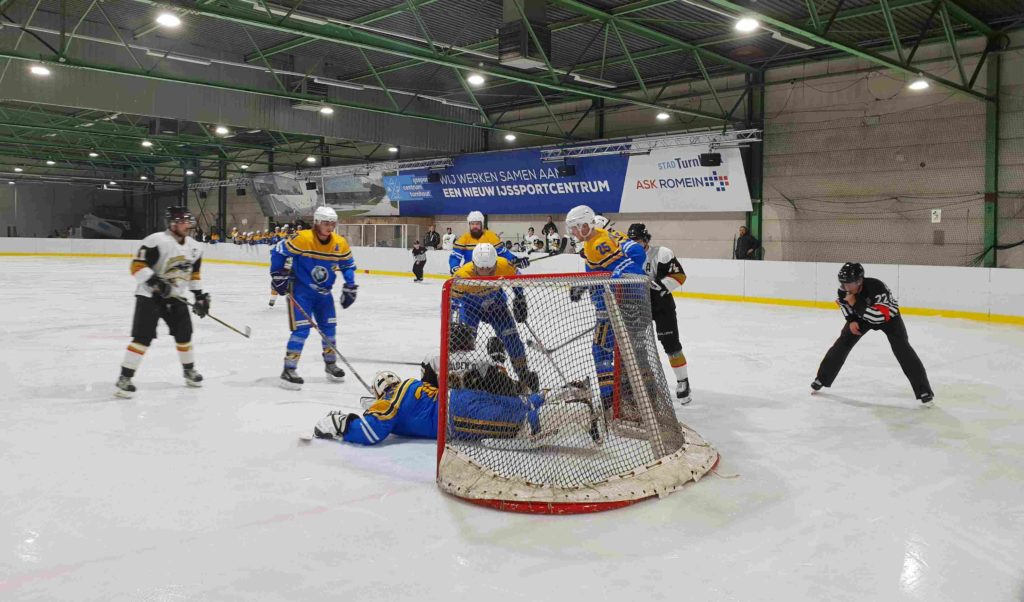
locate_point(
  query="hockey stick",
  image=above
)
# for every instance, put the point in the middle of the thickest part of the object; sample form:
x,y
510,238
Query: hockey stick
x,y
246,333
329,344
536,344
540,347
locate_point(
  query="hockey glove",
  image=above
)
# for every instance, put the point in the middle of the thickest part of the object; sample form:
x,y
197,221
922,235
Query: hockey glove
x,y
348,295
522,262
280,279
519,309
159,287
202,305
576,293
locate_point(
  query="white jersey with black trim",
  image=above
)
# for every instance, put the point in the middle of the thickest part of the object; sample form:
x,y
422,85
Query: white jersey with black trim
x,y
162,255
663,268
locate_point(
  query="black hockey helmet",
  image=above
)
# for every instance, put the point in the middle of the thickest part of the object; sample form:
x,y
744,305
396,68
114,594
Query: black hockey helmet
x,y
638,232
174,215
850,272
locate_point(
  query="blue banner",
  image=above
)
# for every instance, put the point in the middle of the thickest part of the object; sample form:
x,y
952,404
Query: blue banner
x,y
512,182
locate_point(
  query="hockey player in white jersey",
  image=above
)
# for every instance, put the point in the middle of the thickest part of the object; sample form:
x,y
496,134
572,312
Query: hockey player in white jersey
x,y
666,275
166,267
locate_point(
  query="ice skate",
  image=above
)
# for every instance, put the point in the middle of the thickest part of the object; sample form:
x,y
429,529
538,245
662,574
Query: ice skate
x,y
926,399
816,386
334,372
125,388
272,301
193,378
290,380
683,391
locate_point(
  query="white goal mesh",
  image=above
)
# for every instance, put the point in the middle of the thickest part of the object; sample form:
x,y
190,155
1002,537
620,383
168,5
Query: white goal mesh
x,y
553,397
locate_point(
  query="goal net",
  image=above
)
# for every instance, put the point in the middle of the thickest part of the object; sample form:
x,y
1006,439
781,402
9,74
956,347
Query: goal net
x,y
553,398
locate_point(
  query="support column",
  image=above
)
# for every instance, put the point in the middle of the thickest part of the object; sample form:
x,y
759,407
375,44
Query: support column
x,y
754,165
991,236
222,198
598,106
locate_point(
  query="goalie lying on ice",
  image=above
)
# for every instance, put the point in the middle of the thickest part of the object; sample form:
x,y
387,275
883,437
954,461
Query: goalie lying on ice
x,y
486,403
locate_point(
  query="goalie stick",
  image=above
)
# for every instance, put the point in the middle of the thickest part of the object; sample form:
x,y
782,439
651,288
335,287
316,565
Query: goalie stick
x,y
534,344
246,333
329,344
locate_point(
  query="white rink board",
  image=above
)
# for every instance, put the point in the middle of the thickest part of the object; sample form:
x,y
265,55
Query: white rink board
x,y
999,291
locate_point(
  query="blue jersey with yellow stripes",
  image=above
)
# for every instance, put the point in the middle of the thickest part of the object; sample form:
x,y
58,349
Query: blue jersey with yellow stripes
x,y
408,409
631,248
314,262
462,249
604,253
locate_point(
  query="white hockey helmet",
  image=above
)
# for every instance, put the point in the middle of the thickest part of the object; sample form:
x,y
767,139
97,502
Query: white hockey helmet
x,y
384,380
475,216
485,256
325,214
580,216
601,221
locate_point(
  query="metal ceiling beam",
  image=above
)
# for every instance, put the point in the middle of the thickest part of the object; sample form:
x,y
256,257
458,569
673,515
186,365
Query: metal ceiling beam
x,y
554,27
364,20
651,34
53,62
962,14
370,41
868,55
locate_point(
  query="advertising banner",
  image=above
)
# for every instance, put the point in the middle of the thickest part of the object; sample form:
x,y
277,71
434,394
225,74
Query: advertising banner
x,y
518,182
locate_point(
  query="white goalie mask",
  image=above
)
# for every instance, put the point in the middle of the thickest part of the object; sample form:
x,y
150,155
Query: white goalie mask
x,y
384,380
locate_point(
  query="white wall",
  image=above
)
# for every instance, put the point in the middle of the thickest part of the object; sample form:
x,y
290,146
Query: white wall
x,y
980,291
39,209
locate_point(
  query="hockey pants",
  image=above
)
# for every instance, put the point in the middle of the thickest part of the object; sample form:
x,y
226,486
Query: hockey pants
x,y
896,332
318,306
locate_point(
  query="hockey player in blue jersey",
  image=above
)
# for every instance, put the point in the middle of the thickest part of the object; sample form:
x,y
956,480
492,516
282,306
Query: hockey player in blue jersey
x,y
474,304
486,403
462,249
314,254
602,253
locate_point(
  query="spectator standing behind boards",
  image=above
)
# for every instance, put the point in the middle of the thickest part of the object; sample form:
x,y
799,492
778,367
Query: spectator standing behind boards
x,y
432,239
419,260
549,229
448,241
530,240
746,245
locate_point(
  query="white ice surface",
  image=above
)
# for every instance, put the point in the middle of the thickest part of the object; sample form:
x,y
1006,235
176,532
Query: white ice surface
x,y
206,494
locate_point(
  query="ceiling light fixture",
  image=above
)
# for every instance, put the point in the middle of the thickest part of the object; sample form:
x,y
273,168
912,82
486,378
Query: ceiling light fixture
x,y
244,166
326,110
337,83
147,143
221,130
662,116
510,137
195,60
919,84
39,70
11,182
747,25
51,162
18,169
143,178
311,159
189,172
94,155
475,79
168,20
111,183
392,149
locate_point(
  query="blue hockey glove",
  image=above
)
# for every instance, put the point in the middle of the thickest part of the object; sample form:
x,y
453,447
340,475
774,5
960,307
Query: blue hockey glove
x,y
348,295
519,309
280,279
522,262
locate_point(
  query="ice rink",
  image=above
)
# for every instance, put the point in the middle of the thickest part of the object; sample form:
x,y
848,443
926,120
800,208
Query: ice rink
x,y
206,494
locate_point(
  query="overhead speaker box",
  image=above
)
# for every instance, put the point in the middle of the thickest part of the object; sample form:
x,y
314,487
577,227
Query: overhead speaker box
x,y
517,49
710,159
240,191
310,185
566,171
433,177
202,194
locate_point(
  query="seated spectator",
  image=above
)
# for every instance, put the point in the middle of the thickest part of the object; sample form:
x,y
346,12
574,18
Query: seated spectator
x,y
746,245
